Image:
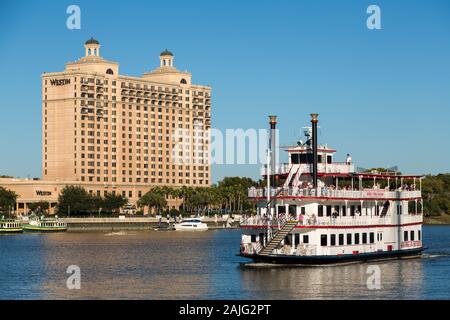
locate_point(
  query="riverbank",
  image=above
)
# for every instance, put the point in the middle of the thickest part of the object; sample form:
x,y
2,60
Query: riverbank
x,y
442,219
136,223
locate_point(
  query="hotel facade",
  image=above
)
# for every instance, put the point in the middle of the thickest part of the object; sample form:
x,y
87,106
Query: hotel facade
x,y
112,133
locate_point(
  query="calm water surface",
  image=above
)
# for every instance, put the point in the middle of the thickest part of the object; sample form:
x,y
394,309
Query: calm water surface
x,y
202,265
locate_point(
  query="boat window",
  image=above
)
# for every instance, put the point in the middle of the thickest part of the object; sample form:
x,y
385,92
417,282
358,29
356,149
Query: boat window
x,y
372,237
405,235
356,238
323,240
344,211
412,235
333,240
329,159
305,238
341,239
364,238
303,211
419,235
295,158
281,209
296,239
320,212
349,238
329,211
293,209
287,240
253,238
352,211
261,238
319,158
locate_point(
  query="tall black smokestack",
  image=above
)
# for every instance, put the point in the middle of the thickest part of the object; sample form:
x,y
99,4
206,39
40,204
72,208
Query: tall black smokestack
x,y
273,127
314,122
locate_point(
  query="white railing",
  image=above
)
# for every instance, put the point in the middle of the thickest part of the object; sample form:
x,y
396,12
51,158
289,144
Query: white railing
x,y
282,168
338,221
328,193
306,250
335,167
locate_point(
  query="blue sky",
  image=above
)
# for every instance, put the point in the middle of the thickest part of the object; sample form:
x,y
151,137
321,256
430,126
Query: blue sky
x,y
382,95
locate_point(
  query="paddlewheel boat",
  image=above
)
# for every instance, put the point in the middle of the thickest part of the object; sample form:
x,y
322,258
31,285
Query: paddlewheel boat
x,y
316,211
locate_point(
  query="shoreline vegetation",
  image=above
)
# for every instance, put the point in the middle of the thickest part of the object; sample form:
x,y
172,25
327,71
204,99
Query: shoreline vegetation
x,y
228,196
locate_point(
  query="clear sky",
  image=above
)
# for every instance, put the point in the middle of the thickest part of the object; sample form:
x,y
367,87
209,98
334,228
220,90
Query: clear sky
x,y
382,95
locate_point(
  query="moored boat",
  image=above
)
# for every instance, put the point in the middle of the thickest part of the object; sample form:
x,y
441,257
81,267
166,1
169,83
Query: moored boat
x,y
191,224
10,226
36,224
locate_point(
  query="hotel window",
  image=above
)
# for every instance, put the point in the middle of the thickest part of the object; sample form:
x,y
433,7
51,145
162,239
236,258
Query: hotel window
x,y
323,240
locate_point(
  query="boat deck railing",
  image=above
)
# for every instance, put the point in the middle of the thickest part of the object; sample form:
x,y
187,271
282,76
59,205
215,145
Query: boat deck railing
x,y
338,194
314,221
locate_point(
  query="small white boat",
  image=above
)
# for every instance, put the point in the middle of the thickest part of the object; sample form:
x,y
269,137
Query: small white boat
x,y
192,224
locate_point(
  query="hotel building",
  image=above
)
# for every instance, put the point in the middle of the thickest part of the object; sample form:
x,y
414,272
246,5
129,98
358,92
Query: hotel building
x,y
119,134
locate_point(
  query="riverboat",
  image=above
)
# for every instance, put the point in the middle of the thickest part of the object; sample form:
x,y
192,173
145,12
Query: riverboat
x,y
314,210
41,224
10,226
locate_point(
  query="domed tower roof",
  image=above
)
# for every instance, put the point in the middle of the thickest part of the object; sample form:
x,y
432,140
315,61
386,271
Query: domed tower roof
x,y
92,41
166,53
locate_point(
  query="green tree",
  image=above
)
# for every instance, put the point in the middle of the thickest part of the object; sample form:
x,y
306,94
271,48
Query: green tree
x,y
153,199
112,203
8,200
74,200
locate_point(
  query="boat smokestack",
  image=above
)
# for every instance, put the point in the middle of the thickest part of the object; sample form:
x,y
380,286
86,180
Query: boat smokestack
x,y
272,146
314,122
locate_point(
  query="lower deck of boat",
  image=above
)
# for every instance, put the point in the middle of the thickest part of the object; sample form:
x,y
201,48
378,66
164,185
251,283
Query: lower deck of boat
x,y
326,260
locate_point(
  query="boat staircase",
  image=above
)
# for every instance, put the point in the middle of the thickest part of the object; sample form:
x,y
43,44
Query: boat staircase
x,y
292,172
385,209
287,227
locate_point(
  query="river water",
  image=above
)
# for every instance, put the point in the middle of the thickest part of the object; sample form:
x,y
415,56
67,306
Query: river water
x,y
201,265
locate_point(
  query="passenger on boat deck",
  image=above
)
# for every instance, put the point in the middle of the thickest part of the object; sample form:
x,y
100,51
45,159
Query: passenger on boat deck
x,y
349,159
334,214
357,213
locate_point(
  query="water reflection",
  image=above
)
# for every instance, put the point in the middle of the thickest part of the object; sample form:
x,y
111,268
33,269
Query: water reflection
x,y
399,280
